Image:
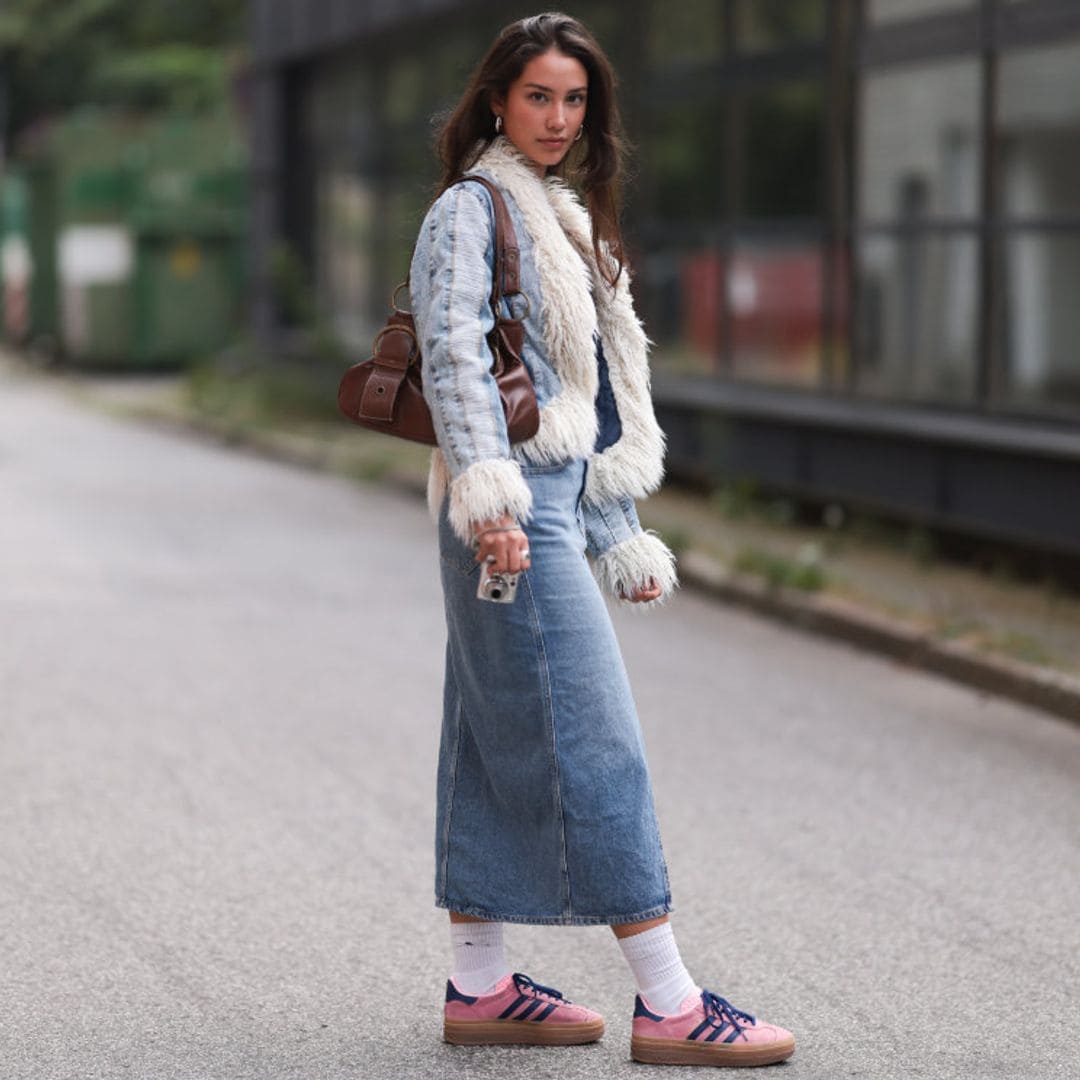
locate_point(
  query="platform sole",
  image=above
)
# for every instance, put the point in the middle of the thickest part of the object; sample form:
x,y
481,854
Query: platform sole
x,y
684,1052
519,1032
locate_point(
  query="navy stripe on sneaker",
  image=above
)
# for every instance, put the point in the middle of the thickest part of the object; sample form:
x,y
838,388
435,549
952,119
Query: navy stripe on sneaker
x,y
546,1013
530,1008
510,1008
717,1033
641,1010
703,1026
454,994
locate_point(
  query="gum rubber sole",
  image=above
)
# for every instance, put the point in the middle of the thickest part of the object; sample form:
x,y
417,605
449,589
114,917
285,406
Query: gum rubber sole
x,y
684,1052
516,1032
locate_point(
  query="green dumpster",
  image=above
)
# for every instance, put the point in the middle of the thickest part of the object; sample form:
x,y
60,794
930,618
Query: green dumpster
x,y
188,269
96,264
144,219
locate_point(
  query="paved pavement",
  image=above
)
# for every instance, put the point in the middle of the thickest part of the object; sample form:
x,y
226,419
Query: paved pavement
x,y
215,820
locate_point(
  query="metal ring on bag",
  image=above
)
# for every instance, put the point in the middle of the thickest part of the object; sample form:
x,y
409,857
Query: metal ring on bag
x,y
393,299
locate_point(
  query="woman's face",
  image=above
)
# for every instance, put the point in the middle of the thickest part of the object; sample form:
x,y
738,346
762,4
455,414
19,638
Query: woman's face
x,y
545,108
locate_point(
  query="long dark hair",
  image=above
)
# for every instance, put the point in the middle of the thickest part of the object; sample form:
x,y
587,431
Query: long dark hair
x,y
595,161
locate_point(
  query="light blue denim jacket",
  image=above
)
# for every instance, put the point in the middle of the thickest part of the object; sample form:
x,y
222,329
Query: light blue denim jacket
x,y
450,285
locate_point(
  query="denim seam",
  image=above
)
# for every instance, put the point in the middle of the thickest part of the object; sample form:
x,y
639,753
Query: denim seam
x,y
458,398
449,438
652,912
549,704
455,757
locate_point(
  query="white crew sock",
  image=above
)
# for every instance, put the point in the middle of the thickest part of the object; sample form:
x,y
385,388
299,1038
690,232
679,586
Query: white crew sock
x,y
662,978
478,956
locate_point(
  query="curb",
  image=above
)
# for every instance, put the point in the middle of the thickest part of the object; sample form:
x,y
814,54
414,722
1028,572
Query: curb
x,y
1053,692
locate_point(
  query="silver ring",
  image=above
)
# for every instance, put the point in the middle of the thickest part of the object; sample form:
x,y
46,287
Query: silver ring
x,y
525,554
490,559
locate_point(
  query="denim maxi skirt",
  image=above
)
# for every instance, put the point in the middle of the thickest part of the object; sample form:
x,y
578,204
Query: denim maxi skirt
x,y
544,806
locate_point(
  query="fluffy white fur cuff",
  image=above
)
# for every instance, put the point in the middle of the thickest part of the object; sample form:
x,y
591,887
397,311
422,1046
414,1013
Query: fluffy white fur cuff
x,y
487,489
629,565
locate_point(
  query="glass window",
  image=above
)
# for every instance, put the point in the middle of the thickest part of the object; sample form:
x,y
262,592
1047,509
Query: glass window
x,y
616,33
341,140
1039,129
403,89
774,296
916,322
411,175
688,31
683,160
781,151
919,142
679,290
774,24
337,111
1042,318
344,220
451,59
886,11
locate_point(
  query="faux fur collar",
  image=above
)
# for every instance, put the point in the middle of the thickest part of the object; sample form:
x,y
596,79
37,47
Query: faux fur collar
x,y
577,303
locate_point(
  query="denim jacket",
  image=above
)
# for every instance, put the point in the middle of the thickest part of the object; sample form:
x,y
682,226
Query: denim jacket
x,y
584,349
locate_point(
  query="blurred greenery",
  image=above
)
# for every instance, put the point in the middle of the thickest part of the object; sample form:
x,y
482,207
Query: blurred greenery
x,y
292,287
56,54
243,389
804,572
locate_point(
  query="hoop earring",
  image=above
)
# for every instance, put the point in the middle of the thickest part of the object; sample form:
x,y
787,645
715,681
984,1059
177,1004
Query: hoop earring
x,y
580,132
498,124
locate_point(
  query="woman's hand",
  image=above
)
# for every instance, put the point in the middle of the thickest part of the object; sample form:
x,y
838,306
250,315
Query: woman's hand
x,y
509,546
642,593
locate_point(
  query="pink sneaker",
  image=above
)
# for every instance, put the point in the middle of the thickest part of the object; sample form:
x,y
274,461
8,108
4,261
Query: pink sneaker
x,y
517,1011
707,1030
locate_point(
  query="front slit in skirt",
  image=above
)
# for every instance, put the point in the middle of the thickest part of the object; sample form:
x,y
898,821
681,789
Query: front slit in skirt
x,y
544,807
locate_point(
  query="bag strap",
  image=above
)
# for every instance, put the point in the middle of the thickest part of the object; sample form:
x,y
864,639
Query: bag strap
x,y
506,279
506,276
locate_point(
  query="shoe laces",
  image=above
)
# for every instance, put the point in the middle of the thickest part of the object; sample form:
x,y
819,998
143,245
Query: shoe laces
x,y
721,1011
524,983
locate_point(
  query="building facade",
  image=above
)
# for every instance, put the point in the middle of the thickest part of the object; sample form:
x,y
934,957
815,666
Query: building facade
x,y
854,227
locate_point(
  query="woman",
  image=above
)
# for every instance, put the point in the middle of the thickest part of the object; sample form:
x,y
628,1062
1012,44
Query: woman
x,y
545,811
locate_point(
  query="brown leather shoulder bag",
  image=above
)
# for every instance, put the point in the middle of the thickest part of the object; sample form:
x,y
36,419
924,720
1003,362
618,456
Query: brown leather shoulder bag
x,y
385,392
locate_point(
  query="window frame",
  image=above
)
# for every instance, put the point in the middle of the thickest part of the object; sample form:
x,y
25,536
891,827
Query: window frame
x,y
988,32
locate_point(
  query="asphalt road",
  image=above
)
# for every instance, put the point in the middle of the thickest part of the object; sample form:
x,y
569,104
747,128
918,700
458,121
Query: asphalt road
x,y
219,701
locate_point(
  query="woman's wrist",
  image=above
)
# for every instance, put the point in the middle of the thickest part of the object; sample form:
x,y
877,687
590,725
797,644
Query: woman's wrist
x,y
479,535
505,523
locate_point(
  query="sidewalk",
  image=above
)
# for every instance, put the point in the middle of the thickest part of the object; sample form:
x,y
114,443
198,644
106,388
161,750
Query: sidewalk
x,y
1002,636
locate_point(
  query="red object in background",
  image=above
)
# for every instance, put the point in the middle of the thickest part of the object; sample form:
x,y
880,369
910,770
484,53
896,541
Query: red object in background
x,y
701,275
774,299
16,312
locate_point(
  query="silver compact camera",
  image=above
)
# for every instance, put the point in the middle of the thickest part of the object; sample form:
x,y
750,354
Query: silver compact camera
x,y
498,588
